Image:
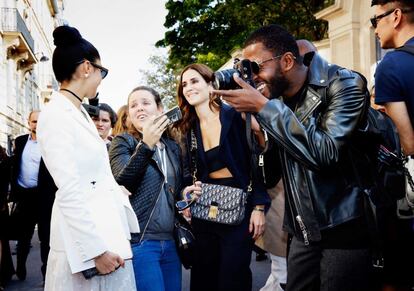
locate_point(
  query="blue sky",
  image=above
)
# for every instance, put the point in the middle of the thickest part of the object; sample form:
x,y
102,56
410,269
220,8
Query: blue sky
x,y
124,32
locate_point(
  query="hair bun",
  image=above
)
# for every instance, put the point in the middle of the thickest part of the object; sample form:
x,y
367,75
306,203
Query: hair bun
x,y
66,36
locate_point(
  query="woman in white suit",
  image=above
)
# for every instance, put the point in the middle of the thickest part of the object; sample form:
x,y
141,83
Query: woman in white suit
x,y
91,218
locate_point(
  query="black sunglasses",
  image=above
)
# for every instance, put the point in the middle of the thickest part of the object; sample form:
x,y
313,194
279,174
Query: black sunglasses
x,y
104,71
257,66
375,19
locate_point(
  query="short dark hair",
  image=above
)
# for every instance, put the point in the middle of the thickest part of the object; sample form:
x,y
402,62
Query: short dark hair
x,y
275,38
153,92
403,4
112,115
71,49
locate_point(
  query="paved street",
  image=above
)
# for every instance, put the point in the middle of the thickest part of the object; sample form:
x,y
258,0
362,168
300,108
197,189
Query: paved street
x,y
33,281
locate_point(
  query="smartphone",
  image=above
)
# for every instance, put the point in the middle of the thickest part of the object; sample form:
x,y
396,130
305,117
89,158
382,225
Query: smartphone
x,y
173,114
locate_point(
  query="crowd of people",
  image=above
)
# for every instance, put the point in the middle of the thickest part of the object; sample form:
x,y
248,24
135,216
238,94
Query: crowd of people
x,y
103,189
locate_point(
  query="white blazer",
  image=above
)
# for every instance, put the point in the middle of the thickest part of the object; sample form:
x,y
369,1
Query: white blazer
x,y
91,214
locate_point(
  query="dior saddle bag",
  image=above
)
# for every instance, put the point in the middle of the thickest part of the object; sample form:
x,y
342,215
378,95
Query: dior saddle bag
x,y
220,204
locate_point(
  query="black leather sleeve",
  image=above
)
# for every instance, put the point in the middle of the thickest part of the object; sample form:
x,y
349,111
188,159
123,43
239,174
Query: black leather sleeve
x,y
129,161
319,144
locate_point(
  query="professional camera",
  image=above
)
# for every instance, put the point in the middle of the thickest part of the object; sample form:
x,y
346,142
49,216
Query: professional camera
x,y
223,80
92,108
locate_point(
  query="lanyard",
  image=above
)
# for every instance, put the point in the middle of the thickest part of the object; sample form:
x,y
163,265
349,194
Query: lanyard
x,y
163,158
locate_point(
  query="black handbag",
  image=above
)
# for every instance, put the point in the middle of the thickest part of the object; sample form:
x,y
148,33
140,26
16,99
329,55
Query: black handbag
x,y
218,203
184,241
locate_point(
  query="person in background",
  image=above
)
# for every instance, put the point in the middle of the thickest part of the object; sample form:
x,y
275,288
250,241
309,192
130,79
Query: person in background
x,y
274,240
394,90
148,163
122,124
92,218
34,190
223,252
6,263
105,122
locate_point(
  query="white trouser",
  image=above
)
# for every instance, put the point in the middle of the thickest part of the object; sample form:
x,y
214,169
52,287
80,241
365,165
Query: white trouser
x,y
277,275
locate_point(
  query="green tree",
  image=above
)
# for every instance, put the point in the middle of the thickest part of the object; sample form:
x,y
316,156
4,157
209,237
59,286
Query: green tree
x,y
161,78
208,30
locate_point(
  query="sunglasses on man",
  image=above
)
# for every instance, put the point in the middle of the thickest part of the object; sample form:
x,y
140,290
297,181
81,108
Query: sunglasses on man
x,y
376,18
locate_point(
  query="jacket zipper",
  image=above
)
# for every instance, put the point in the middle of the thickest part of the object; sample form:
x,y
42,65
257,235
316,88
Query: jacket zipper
x,y
299,215
153,207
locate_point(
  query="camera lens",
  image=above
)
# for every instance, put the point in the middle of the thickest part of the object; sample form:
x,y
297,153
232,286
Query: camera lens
x,y
223,80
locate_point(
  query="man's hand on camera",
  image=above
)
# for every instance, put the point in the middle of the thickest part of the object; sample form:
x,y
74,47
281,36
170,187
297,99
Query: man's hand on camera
x,y
246,99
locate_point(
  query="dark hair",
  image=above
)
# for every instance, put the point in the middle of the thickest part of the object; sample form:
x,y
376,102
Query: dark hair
x,y
131,128
402,4
3,154
188,111
120,125
276,39
112,114
71,49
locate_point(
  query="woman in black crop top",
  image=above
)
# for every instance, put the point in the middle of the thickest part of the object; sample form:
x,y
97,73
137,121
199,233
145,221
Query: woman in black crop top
x,y
223,251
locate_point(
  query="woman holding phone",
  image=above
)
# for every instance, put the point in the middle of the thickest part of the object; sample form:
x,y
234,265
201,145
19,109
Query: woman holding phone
x,y
148,163
91,218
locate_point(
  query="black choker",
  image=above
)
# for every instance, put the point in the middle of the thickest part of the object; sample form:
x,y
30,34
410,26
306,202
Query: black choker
x,y
62,89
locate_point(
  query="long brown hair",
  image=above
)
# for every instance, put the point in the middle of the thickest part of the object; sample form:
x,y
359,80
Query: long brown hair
x,y
121,124
187,110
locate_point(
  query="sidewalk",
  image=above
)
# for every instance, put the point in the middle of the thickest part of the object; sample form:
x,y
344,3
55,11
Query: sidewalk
x,y
34,278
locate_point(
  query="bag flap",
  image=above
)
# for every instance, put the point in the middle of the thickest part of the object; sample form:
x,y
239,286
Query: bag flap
x,y
226,198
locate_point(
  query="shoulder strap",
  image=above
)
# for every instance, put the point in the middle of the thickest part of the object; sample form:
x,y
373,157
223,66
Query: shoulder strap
x,y
406,48
193,155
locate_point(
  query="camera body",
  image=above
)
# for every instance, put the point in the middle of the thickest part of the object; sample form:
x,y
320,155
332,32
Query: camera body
x,y
223,80
92,108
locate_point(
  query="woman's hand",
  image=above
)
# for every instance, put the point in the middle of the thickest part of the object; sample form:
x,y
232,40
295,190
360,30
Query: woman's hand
x,y
257,223
193,189
108,262
187,214
152,131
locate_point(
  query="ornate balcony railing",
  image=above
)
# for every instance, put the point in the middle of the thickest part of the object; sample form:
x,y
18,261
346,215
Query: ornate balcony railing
x,y
12,22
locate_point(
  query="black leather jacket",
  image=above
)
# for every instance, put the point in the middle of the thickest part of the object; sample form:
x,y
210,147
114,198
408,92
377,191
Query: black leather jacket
x,y
134,167
314,148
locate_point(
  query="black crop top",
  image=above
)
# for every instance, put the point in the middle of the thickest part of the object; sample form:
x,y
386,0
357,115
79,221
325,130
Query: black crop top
x,y
213,160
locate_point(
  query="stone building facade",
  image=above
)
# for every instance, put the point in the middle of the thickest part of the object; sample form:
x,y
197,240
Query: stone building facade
x,y
26,46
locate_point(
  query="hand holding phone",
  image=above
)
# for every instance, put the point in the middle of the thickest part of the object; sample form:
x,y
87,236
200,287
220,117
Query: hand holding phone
x,y
173,115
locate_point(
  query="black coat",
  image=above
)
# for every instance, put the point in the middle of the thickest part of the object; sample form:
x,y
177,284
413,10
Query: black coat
x,y
45,183
313,150
134,167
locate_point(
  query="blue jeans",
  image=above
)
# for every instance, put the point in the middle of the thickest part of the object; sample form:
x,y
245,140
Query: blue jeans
x,y
156,266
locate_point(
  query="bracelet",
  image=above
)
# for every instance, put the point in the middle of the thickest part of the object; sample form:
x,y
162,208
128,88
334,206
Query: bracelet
x,y
258,209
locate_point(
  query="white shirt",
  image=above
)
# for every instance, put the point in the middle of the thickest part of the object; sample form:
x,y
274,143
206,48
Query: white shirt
x,y
29,164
